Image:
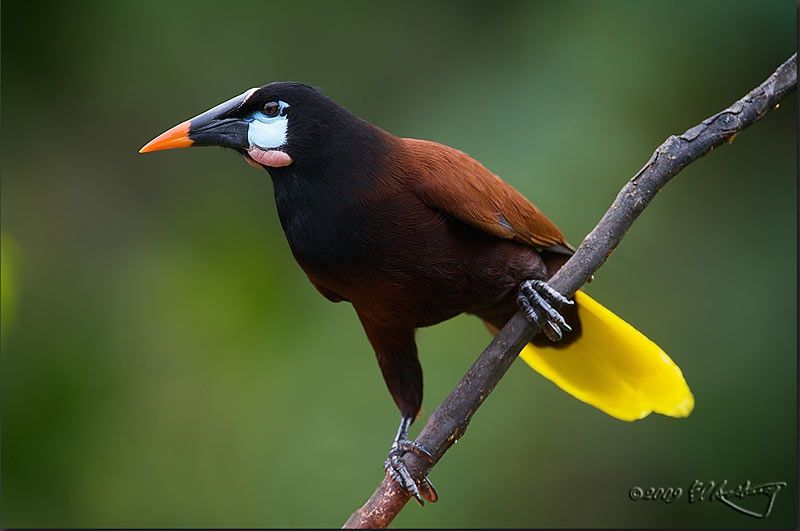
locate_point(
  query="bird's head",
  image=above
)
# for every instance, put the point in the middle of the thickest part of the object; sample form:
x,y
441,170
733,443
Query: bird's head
x,y
272,126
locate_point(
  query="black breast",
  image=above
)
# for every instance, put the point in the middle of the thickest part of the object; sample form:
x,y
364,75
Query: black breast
x,y
324,227
321,197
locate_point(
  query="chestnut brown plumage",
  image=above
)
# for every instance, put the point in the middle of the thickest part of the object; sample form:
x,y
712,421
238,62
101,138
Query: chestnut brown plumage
x,y
412,233
436,235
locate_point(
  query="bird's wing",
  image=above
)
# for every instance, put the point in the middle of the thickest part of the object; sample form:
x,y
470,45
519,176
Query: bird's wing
x,y
454,182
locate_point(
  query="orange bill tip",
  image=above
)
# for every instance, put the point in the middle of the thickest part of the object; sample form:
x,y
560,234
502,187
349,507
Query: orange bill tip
x,y
177,137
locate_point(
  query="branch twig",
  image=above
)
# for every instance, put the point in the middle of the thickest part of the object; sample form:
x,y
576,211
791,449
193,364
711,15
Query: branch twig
x,y
449,422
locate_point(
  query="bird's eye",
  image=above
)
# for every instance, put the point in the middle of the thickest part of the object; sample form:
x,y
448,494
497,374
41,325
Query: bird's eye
x,y
272,109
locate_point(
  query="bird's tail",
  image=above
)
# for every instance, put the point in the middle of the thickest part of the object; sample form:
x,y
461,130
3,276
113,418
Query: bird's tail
x,y
613,367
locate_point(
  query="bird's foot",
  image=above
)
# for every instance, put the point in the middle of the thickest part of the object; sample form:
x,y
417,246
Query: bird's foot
x,y
535,299
395,466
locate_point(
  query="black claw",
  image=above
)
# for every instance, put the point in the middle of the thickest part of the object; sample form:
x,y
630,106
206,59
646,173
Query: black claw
x,y
535,299
551,331
395,466
399,473
554,317
428,490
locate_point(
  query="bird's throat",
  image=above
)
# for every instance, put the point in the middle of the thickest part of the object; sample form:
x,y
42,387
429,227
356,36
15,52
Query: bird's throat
x,y
271,158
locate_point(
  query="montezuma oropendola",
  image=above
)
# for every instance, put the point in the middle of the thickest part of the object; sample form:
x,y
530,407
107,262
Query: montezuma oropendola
x,y
412,233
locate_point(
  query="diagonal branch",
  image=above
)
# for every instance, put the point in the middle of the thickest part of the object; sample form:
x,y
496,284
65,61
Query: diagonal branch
x,y
449,422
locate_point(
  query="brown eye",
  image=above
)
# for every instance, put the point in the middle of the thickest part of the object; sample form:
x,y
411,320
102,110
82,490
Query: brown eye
x,y
271,109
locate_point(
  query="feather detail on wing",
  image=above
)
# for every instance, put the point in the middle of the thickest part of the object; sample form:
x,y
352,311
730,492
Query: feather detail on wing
x,y
454,182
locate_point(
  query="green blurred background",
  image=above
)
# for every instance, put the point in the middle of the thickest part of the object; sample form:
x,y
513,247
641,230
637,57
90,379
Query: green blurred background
x,y
166,363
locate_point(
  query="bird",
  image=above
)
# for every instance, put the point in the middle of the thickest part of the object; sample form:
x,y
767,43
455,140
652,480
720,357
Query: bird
x,y
413,232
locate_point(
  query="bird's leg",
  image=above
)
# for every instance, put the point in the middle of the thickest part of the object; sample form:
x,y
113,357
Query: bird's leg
x,y
535,299
396,351
396,467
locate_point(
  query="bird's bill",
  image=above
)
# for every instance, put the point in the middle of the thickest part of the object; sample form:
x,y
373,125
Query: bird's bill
x,y
177,137
215,127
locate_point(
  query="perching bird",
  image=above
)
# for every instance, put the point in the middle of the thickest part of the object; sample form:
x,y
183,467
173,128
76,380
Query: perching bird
x,y
412,233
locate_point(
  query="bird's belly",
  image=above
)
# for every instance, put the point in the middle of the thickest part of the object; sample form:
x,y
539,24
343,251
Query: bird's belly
x,y
422,277
402,262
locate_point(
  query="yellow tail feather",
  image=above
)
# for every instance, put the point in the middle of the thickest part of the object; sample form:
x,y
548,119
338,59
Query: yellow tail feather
x,y
614,367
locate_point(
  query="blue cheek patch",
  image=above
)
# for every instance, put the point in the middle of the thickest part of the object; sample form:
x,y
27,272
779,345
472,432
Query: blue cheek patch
x,y
268,132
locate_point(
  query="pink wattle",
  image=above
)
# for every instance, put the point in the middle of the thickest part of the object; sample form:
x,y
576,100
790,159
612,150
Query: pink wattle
x,y
271,158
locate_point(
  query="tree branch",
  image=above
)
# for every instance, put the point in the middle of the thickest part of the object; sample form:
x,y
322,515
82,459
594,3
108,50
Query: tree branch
x,y
449,422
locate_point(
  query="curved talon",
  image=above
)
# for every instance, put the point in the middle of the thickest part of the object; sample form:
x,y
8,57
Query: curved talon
x,y
552,331
555,317
399,473
535,299
428,491
395,466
